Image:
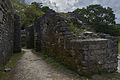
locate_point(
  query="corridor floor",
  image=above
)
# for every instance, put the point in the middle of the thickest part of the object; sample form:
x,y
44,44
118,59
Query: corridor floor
x,y
32,67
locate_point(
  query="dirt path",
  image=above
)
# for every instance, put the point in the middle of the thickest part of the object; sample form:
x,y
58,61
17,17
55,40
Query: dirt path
x,y
32,67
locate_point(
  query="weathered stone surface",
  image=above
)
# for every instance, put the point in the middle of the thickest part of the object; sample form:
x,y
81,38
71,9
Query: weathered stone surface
x,y
29,37
97,54
17,34
85,56
23,38
6,31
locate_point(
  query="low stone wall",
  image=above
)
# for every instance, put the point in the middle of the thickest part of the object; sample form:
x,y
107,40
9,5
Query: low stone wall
x,y
114,41
6,31
95,55
85,56
17,34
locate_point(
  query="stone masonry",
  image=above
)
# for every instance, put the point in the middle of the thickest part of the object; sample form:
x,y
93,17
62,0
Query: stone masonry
x,y
96,55
17,35
85,56
23,38
9,32
6,31
29,37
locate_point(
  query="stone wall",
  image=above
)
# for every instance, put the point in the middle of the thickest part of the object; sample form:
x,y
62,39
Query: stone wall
x,y
37,36
114,41
6,31
85,56
23,38
17,35
29,37
95,55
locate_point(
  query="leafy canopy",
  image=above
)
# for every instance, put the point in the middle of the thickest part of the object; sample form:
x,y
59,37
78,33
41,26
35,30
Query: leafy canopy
x,y
31,12
97,15
101,19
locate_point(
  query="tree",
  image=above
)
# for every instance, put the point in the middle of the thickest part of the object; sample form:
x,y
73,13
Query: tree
x,y
36,4
32,12
101,19
45,9
19,8
28,12
97,15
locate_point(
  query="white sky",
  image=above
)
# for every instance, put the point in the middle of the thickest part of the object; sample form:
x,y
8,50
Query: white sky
x,y
70,5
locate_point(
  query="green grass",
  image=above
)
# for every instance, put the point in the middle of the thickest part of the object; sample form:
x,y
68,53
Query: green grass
x,y
119,45
119,48
11,64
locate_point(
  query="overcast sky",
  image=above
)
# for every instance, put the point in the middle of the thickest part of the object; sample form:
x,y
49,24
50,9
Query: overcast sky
x,y
70,5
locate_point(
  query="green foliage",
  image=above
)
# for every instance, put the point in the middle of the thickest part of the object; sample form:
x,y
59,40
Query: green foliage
x,y
72,27
101,19
32,12
112,30
97,15
37,5
19,9
45,9
119,45
28,12
76,31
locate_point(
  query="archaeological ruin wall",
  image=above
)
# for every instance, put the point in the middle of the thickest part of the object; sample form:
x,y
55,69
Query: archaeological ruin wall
x,y
23,38
29,37
17,34
85,56
7,31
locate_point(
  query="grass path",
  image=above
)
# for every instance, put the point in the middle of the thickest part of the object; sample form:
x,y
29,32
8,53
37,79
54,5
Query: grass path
x,y
32,67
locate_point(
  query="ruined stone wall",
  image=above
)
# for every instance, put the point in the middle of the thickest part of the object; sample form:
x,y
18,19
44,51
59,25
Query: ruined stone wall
x,y
23,38
6,30
29,37
85,56
37,36
95,55
17,34
114,41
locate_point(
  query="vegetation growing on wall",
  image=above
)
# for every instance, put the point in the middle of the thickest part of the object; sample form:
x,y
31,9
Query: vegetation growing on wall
x,y
28,12
32,12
